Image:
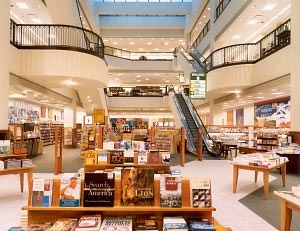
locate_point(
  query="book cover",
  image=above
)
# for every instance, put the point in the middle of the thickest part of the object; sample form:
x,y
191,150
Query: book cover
x,y
117,223
102,156
142,156
174,223
200,225
170,191
4,147
137,187
146,223
200,192
117,145
42,192
89,222
90,157
116,156
39,227
128,145
153,157
129,156
70,191
165,158
98,189
63,224
176,171
108,145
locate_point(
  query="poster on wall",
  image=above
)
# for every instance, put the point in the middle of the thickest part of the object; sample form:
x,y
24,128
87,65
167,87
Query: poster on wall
x,y
239,116
43,112
273,114
99,116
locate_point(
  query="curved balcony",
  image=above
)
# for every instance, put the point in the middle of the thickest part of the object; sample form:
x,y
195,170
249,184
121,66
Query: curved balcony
x,y
55,36
250,52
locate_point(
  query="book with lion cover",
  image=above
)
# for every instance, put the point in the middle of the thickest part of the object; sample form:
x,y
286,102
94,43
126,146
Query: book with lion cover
x,y
137,187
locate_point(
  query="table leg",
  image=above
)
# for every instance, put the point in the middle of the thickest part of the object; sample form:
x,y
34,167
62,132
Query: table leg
x,y
285,216
22,181
266,184
235,178
283,174
255,176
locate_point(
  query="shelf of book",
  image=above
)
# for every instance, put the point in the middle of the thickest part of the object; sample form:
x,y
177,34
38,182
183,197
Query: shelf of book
x,y
157,167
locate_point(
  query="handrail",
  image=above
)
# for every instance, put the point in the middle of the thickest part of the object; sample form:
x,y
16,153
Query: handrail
x,y
56,36
202,34
221,7
250,52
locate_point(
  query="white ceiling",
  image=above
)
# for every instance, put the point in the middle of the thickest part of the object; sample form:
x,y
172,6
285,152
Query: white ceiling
x,y
242,31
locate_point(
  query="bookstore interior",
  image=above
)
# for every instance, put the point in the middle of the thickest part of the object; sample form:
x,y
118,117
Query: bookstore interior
x,y
127,181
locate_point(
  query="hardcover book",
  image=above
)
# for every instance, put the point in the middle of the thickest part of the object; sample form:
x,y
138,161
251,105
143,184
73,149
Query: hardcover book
x,y
129,156
116,156
90,157
63,224
170,191
174,223
70,189
200,225
146,223
200,192
165,158
102,156
153,157
98,189
39,227
128,145
42,192
142,156
117,224
89,223
137,187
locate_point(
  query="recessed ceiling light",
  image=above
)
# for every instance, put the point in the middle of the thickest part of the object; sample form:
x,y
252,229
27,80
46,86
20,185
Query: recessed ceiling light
x,y
277,93
269,7
140,49
237,36
36,20
156,49
131,43
22,5
115,43
147,79
260,93
69,83
138,80
166,43
259,97
252,21
138,76
149,43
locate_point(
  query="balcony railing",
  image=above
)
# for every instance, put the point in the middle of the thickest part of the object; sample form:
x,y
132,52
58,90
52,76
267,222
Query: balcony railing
x,y
202,34
53,36
221,7
138,55
250,52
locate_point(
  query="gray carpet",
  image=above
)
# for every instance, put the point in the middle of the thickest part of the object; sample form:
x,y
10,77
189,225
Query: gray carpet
x,y
269,210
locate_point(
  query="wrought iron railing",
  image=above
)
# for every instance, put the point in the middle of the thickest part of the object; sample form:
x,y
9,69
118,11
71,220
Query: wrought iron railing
x,y
221,7
202,34
138,55
250,52
54,36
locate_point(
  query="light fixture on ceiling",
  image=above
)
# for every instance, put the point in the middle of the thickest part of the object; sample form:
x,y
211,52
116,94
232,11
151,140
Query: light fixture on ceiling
x,y
36,20
269,7
69,83
22,5
237,36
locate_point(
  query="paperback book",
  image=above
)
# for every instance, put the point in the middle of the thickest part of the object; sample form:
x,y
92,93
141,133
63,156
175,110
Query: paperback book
x,y
42,192
146,223
153,157
165,158
90,157
99,189
117,223
129,156
200,192
102,156
137,187
63,224
70,189
200,225
142,156
89,223
116,156
170,191
39,227
174,223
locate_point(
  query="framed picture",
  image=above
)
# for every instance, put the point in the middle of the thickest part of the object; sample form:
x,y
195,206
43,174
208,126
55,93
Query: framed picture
x,y
88,120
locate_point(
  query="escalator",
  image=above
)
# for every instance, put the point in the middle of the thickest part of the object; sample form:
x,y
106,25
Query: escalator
x,y
192,123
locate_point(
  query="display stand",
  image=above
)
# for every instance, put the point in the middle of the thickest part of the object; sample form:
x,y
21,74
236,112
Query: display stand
x,y
58,150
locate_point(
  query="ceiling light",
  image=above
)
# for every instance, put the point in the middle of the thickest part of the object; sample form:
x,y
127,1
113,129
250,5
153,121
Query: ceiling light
x,y
36,20
277,93
208,8
259,97
269,7
131,43
138,76
138,80
15,95
237,36
147,79
22,5
115,43
149,43
156,49
252,21
166,43
140,49
105,40
69,83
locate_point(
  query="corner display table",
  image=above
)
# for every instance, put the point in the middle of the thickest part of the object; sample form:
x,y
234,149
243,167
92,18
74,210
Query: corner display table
x,y
288,203
265,170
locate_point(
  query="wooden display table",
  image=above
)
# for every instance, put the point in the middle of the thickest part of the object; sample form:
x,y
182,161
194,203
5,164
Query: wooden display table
x,y
256,169
20,171
293,166
288,203
246,149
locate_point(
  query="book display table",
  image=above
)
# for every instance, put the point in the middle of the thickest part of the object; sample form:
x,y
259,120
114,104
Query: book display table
x,y
247,164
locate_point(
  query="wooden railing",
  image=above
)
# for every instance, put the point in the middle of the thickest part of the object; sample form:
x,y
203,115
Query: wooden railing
x,y
55,36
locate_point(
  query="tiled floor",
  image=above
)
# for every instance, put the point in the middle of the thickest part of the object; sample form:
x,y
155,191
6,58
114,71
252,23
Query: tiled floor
x,y
228,209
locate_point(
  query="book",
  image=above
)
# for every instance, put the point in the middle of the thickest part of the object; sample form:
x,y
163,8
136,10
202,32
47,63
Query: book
x,y
89,223
116,156
64,224
70,191
146,223
153,157
165,158
200,225
129,156
42,192
174,223
170,191
137,187
17,228
200,192
98,189
4,147
39,227
102,156
175,171
117,224
142,156
128,145
90,157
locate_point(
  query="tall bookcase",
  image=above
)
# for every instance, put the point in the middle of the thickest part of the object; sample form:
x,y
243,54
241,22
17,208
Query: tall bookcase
x,y
47,131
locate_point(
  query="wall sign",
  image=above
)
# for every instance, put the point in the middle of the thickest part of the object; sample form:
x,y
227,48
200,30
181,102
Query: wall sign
x,y
198,86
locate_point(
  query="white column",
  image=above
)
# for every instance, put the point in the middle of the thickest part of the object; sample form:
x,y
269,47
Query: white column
x,y
4,62
295,63
70,116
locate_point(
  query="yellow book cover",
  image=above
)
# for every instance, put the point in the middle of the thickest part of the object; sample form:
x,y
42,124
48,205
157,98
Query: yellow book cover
x,y
91,157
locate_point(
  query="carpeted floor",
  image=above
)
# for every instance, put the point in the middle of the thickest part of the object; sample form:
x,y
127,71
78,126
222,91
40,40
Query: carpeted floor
x,y
269,210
